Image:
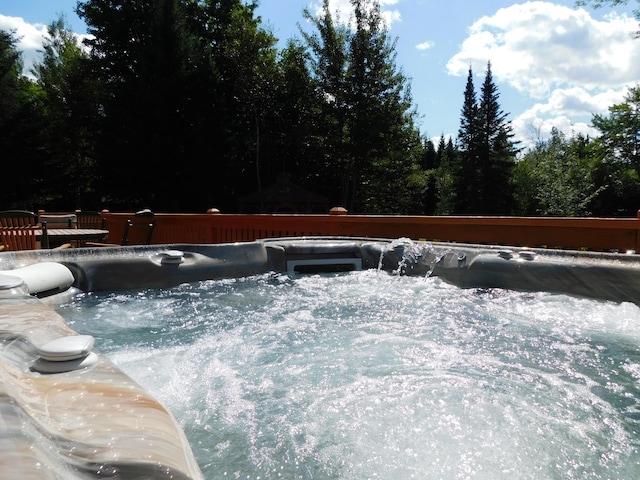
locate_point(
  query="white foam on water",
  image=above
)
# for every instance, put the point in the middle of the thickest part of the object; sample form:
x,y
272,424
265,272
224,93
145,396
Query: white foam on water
x,y
370,375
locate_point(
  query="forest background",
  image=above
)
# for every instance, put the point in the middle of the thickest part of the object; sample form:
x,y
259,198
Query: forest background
x,y
179,106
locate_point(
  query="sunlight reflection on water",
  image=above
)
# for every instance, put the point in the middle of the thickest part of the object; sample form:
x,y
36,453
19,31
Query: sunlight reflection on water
x,y
371,375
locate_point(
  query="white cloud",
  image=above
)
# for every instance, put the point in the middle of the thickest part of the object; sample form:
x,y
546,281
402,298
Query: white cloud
x,y
29,38
570,63
425,45
569,110
344,10
577,100
530,128
538,46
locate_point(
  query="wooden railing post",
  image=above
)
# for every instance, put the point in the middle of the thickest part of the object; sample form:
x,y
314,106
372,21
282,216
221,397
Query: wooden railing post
x,y
215,227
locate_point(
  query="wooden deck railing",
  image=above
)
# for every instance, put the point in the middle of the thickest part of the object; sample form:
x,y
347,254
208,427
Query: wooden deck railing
x,y
594,234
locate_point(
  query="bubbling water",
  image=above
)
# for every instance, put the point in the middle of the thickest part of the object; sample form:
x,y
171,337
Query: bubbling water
x,y
370,375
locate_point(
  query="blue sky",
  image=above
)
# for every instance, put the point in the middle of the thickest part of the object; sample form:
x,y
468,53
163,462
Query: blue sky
x,y
554,64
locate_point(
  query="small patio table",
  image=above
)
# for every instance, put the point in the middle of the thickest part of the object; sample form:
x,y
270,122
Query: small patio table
x,y
59,236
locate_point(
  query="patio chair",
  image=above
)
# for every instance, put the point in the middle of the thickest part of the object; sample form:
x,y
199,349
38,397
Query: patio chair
x,y
17,218
90,219
139,230
58,220
22,238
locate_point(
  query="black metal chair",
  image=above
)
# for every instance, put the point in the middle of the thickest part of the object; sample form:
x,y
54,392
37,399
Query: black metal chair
x,y
57,220
139,231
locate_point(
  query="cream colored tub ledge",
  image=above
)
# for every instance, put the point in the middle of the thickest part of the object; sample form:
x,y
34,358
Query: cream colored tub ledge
x,y
93,422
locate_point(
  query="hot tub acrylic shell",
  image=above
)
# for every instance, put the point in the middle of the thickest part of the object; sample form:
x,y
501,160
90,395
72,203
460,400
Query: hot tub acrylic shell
x,y
96,421
603,276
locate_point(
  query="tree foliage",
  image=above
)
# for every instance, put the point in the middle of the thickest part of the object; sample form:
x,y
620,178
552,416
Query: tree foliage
x,y
487,152
366,111
136,55
447,178
618,149
578,176
10,72
555,178
178,105
601,3
613,3
328,64
187,84
294,118
21,122
69,97
620,139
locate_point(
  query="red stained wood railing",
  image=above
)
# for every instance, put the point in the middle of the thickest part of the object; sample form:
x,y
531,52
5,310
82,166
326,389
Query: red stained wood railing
x,y
594,234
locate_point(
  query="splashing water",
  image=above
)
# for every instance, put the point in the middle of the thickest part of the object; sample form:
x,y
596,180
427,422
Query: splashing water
x,y
412,254
370,375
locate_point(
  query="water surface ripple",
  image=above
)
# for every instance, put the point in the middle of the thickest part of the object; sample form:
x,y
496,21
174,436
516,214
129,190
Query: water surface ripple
x,y
369,375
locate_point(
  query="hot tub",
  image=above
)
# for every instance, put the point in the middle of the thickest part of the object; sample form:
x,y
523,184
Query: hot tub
x,y
90,419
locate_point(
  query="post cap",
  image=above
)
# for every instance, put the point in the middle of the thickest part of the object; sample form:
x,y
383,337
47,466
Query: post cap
x,y
338,211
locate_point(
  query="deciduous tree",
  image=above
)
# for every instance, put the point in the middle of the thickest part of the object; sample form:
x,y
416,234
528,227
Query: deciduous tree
x,y
20,128
556,178
138,56
613,3
620,130
294,120
187,85
373,148
618,147
70,106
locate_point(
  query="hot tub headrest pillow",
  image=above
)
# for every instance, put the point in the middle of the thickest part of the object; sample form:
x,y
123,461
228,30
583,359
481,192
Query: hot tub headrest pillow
x,y
43,277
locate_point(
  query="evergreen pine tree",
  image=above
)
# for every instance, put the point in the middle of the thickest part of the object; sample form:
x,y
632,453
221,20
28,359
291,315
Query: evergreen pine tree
x,y
383,145
496,152
440,151
429,157
446,177
430,160
466,168
487,152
